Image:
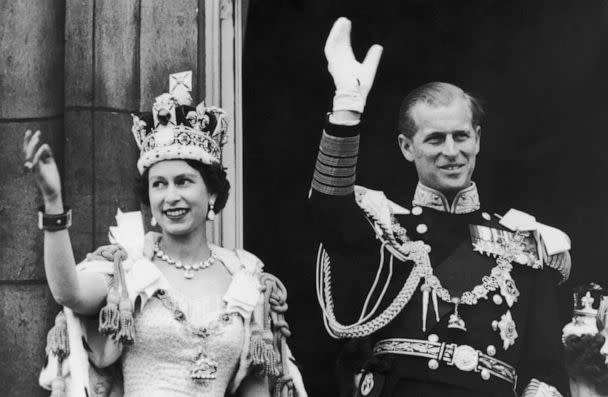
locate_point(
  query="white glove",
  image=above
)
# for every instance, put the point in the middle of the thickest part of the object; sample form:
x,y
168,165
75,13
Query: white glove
x,y
352,79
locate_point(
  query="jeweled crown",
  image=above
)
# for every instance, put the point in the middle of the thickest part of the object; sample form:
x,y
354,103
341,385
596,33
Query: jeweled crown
x,y
177,130
589,311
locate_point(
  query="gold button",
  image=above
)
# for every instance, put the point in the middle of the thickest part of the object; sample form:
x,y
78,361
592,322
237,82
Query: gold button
x,y
422,228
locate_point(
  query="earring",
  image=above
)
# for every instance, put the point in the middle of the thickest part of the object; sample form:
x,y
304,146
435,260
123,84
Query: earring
x,y
153,221
211,212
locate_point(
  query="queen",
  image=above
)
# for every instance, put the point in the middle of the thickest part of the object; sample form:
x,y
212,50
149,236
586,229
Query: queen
x,y
168,314
585,341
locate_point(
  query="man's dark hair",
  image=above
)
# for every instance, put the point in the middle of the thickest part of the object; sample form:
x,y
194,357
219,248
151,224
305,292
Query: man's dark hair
x,y
213,175
434,94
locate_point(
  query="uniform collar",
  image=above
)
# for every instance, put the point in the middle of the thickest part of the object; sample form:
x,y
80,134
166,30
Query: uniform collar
x,y
465,201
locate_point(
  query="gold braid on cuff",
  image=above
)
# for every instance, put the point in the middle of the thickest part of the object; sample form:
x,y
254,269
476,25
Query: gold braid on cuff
x,y
336,166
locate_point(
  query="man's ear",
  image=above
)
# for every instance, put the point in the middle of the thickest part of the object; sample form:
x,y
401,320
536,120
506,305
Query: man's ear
x,y
406,146
478,137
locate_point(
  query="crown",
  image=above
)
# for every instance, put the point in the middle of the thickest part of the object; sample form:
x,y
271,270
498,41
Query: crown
x,y
585,315
177,130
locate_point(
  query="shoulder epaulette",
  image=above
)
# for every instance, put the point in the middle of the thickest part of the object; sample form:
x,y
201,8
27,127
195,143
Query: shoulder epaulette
x,y
379,210
552,244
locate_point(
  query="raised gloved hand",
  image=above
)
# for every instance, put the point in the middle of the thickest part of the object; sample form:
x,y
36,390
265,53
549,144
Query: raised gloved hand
x,y
353,79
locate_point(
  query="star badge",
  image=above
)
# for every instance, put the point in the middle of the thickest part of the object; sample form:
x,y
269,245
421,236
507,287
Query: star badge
x,y
508,332
508,289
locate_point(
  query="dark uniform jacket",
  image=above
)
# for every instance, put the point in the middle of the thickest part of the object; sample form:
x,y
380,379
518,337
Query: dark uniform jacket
x,y
352,242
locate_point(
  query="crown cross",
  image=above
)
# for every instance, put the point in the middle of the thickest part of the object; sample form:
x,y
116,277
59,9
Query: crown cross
x,y
587,300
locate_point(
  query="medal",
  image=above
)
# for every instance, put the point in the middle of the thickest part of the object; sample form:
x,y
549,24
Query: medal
x,y
455,320
204,367
508,331
508,289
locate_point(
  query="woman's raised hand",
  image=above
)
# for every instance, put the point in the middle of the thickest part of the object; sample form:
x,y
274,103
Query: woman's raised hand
x,y
353,79
39,160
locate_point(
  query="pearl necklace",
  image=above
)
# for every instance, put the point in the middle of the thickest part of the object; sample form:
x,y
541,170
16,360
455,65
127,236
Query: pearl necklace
x,y
188,269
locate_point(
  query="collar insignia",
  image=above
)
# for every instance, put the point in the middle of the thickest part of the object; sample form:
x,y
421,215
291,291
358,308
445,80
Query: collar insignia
x,y
465,201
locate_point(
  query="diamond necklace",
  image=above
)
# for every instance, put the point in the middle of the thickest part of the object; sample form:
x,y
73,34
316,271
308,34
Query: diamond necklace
x,y
188,269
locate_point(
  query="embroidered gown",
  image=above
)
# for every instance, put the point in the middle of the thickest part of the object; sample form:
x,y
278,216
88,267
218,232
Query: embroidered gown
x,y
161,360
174,334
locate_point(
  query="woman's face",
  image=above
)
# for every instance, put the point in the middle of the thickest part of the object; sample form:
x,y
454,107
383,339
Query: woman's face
x,y
178,197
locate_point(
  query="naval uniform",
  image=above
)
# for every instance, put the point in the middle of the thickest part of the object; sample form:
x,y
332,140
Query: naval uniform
x,y
418,341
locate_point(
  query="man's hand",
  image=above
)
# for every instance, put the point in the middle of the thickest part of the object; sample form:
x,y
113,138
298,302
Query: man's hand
x,y
353,80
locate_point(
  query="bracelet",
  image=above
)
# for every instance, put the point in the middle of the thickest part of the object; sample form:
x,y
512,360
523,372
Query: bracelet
x,y
54,222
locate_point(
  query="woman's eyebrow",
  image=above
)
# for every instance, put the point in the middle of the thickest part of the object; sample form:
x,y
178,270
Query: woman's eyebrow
x,y
186,175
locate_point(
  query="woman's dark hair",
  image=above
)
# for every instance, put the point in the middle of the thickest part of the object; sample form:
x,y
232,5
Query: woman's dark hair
x,y
214,176
585,363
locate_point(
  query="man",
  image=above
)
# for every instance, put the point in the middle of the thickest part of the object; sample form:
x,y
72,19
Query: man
x,y
442,299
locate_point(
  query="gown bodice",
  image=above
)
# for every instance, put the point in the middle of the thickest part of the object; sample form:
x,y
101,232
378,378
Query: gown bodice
x,y
169,345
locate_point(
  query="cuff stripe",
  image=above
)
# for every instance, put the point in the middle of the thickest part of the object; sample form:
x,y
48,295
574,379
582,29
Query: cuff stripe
x,y
335,171
334,181
336,161
332,190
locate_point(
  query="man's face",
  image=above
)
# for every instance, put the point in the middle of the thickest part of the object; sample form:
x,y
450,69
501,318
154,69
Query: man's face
x,y
444,147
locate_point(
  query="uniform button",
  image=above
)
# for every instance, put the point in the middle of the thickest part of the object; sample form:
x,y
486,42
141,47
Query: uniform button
x,y
491,350
433,364
417,210
485,374
433,338
494,325
486,216
497,299
422,228
368,384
